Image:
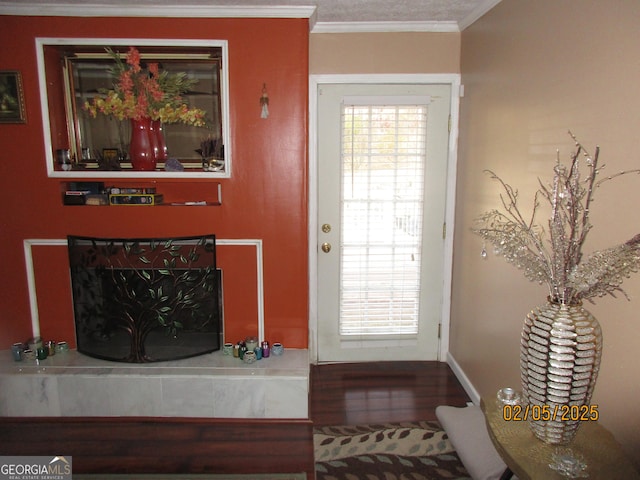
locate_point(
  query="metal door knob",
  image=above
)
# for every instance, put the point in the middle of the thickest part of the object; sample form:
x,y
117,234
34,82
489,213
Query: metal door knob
x,y
326,247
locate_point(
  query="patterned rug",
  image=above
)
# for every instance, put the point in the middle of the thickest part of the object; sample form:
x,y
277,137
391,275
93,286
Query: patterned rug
x,y
394,451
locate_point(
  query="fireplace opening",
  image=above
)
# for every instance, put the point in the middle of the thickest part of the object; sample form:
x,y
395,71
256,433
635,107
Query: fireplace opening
x,y
146,300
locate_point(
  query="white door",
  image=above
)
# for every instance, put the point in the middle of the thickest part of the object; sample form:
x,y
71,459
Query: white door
x,y
382,174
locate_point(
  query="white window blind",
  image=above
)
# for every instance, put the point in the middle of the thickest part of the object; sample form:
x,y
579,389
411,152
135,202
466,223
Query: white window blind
x,y
383,160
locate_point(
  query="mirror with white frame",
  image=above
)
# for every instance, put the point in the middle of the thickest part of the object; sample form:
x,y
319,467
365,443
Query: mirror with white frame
x,y
74,71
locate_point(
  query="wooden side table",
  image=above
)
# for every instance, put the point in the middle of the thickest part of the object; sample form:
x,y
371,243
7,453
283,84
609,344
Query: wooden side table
x,y
529,458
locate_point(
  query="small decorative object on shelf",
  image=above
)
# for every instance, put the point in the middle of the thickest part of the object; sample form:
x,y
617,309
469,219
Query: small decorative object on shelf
x,y
29,354
63,157
212,154
561,342
173,165
41,353
17,351
251,342
568,464
148,97
508,396
249,357
277,349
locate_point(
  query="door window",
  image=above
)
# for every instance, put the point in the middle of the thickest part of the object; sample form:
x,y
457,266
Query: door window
x,y
383,158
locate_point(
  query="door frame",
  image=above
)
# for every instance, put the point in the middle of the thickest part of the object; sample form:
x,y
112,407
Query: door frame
x,y
316,80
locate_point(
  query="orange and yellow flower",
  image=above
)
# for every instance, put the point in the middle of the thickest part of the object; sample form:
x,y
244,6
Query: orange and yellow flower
x,y
140,93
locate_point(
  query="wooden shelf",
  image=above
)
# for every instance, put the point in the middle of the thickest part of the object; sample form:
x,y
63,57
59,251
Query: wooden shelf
x,y
175,193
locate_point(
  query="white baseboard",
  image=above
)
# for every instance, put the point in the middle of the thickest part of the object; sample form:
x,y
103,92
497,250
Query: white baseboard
x,y
463,379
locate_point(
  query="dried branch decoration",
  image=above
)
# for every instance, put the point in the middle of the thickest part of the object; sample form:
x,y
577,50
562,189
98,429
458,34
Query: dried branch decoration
x,y
557,260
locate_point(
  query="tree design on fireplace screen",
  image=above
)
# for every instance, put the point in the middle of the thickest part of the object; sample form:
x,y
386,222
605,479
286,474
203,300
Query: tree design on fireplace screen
x,y
146,300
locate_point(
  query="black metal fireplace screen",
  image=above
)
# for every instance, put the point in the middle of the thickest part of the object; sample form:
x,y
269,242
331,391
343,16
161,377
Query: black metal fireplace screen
x,y
146,300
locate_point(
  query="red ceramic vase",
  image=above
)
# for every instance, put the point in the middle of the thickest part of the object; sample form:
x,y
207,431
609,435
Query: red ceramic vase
x,y
158,142
141,148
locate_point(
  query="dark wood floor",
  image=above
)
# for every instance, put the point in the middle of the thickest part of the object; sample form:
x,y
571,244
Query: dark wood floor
x,y
381,392
341,394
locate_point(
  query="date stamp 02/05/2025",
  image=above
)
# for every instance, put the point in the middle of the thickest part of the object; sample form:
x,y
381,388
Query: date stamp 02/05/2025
x,y
546,413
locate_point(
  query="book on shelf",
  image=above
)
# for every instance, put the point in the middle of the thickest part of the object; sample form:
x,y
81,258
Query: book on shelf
x,y
146,199
131,190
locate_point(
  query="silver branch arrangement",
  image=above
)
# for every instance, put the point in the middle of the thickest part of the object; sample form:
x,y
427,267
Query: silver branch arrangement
x,y
556,259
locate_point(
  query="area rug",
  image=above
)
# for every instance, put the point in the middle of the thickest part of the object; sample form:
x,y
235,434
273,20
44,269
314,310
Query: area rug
x,y
393,451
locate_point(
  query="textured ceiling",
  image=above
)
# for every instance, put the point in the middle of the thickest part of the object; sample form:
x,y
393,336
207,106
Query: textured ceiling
x,y
450,14
395,11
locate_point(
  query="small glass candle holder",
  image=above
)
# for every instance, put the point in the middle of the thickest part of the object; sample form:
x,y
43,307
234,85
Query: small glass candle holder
x,y
568,463
249,356
251,343
41,353
277,349
29,354
17,350
508,396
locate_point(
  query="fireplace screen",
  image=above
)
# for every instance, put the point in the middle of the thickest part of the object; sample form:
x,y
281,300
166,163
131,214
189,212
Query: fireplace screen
x,y
146,300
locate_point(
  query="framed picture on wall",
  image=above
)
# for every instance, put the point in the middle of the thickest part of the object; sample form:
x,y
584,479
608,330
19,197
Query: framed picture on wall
x,y
11,97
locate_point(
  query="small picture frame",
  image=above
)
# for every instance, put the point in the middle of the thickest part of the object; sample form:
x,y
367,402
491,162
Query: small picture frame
x,y
11,97
110,154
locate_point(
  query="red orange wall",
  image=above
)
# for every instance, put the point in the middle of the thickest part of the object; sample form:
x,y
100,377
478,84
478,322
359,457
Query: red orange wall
x,y
266,198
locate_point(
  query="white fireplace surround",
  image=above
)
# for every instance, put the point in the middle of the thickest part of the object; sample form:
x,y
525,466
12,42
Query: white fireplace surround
x,y
207,386
31,278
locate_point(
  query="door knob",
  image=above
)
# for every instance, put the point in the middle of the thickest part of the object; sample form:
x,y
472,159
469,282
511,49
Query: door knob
x,y
326,247
326,228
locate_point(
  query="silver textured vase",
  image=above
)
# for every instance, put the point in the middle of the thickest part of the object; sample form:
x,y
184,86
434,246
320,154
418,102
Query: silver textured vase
x,y
560,354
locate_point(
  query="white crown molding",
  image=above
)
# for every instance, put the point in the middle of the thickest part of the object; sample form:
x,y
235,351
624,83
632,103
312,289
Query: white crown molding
x,y
73,9
368,27
182,11
478,12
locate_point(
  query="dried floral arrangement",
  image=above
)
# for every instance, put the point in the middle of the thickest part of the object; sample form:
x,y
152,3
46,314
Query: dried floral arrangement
x,y
557,260
145,92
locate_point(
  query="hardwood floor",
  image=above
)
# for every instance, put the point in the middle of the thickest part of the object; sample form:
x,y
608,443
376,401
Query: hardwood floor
x,y
341,394
381,392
